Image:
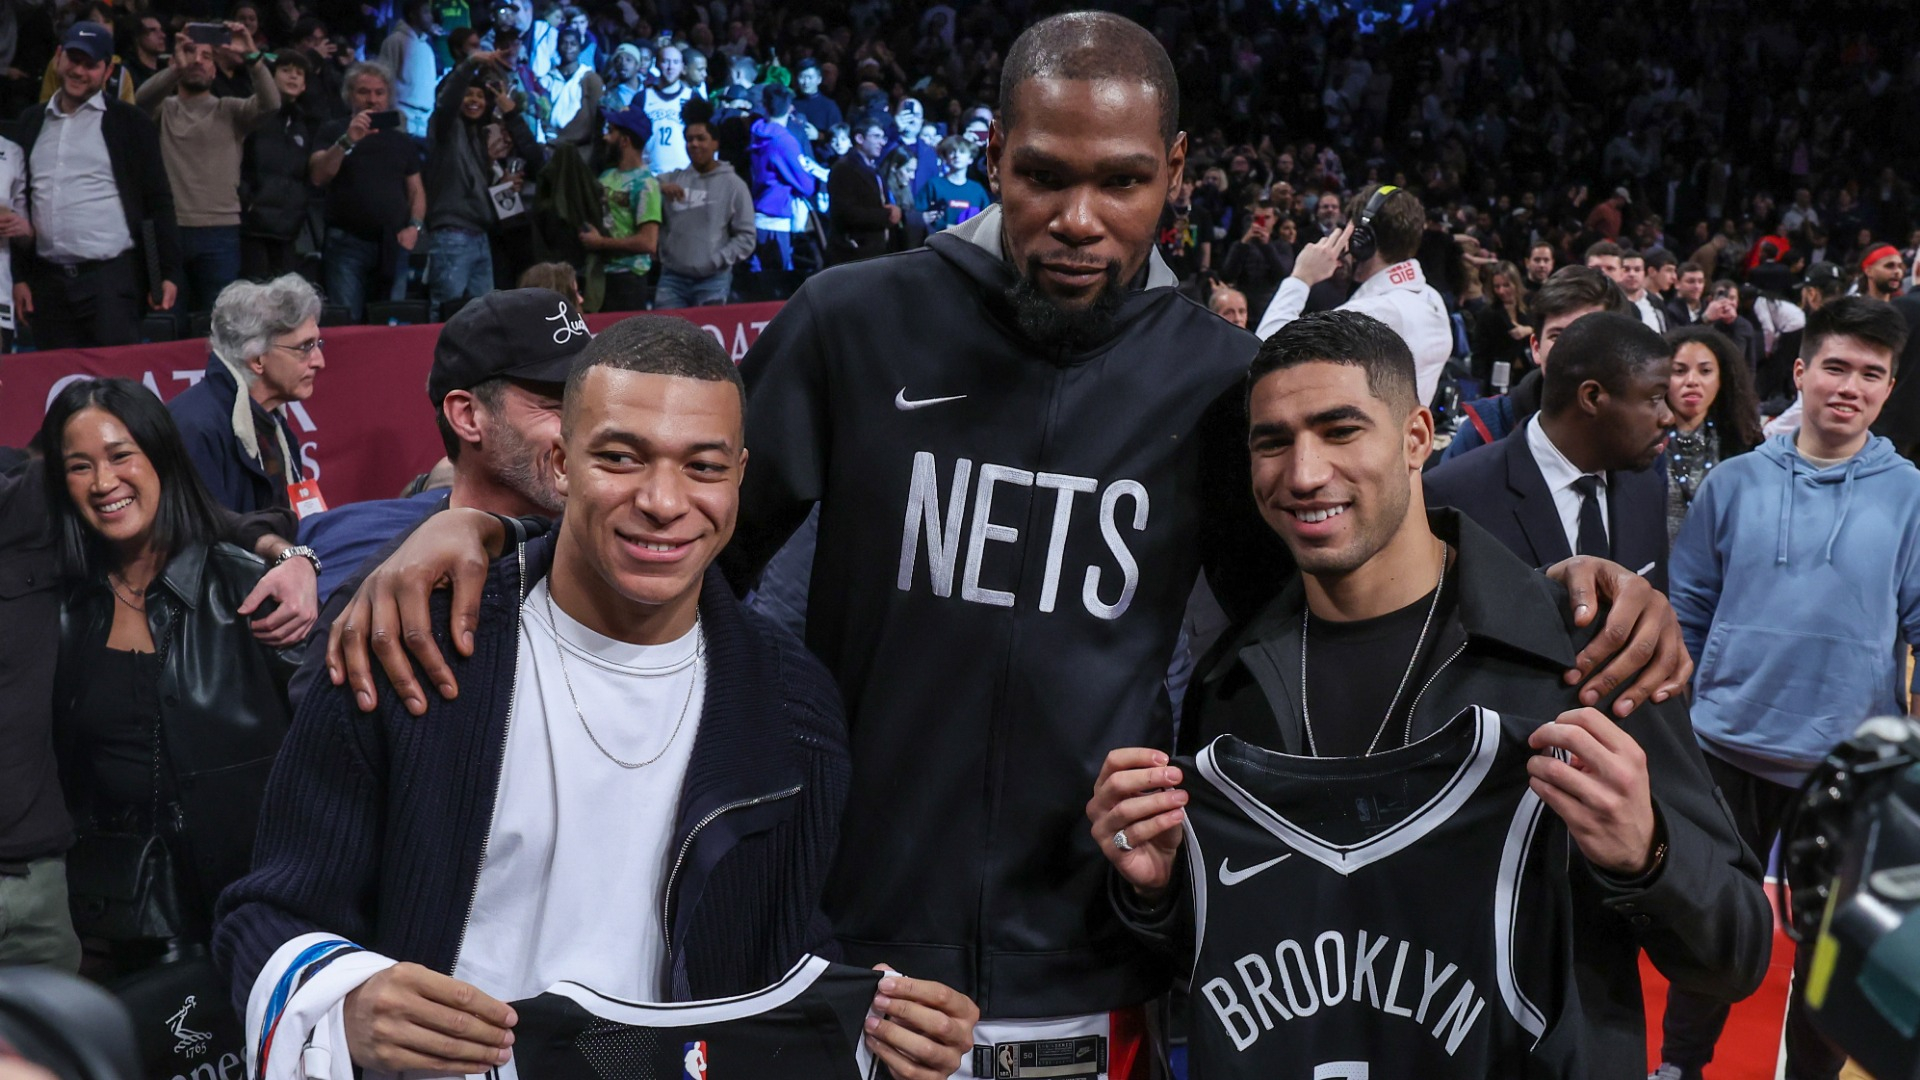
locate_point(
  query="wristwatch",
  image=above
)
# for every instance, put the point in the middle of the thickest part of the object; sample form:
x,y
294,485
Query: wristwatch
x,y
416,223
298,551
344,142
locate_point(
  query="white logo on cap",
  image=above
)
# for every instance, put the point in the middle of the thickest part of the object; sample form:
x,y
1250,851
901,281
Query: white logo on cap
x,y
569,327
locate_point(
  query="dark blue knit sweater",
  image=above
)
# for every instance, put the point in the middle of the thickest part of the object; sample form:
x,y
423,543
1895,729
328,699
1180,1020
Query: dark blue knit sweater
x,y
375,824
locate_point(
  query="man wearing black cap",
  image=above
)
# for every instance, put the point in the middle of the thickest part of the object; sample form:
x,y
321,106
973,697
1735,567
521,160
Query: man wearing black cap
x,y
495,387
633,212
101,207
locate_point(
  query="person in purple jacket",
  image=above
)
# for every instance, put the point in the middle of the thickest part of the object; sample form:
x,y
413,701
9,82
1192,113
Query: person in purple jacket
x,y
779,177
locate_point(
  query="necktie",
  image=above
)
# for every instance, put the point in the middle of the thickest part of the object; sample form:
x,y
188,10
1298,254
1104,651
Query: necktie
x,y
1593,531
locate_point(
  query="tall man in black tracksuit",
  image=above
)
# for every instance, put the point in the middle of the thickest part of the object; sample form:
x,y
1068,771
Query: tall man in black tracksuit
x,y
1018,487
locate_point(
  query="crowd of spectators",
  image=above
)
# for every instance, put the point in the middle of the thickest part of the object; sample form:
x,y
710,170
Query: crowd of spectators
x,y
428,150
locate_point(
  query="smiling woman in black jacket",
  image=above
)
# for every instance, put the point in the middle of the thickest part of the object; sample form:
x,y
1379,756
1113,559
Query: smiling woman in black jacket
x,y
168,713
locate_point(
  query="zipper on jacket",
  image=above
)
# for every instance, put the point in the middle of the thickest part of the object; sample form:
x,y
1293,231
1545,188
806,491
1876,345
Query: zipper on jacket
x,y
499,776
666,895
1415,707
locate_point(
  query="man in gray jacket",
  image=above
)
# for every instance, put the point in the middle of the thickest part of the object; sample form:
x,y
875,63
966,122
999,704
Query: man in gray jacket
x,y
708,227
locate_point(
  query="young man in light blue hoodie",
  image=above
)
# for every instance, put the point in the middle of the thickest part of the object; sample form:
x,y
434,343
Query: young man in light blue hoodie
x,y
1795,576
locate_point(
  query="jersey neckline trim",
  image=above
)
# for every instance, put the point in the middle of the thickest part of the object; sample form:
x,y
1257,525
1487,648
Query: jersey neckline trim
x,y
1344,859
797,981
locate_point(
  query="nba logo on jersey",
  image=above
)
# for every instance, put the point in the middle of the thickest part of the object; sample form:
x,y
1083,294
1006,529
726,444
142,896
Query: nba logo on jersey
x,y
694,1059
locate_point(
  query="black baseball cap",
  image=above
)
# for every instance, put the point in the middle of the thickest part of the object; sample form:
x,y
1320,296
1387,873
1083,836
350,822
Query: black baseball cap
x,y
527,334
1822,275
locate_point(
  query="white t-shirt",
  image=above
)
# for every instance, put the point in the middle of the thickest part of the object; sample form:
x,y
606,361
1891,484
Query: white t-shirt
x,y
577,856
667,146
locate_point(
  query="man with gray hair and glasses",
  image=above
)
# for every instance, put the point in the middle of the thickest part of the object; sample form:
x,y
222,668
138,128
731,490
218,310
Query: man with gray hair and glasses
x,y
266,353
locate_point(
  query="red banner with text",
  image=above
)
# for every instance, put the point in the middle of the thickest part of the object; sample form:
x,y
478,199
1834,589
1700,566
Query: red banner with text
x,y
368,428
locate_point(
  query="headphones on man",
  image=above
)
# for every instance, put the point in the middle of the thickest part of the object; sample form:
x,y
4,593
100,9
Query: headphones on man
x,y
1362,244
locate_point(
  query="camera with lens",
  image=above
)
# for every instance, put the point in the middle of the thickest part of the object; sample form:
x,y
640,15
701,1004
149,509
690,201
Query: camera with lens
x,y
1850,852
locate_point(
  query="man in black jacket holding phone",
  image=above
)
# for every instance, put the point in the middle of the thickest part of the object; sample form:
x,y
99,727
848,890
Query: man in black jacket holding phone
x,y
858,211
376,200
102,209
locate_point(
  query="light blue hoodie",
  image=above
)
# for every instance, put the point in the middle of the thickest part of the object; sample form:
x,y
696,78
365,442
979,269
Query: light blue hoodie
x,y
1793,585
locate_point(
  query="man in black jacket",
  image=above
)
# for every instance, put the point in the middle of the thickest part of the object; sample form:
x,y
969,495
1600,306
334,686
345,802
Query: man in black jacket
x,y
102,208
1338,440
858,210
1578,477
556,823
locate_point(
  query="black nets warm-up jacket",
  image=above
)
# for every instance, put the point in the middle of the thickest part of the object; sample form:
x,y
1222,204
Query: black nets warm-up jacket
x,y
1008,537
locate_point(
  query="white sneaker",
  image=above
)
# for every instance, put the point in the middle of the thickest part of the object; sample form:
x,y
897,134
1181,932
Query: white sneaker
x,y
1665,1072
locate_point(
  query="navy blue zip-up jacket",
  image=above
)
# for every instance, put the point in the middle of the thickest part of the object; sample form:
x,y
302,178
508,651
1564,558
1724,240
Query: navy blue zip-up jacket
x,y
235,478
375,825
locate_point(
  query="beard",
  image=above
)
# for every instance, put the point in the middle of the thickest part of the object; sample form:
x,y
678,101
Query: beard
x,y
1049,324
196,83
522,468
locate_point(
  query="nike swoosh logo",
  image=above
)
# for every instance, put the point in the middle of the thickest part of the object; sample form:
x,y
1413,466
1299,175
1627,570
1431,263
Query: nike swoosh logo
x,y
1235,877
900,401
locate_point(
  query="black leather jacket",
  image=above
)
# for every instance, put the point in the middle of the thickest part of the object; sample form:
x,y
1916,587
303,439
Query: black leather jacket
x,y
222,710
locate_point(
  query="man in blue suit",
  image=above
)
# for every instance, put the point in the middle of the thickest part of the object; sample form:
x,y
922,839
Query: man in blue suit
x,y
1577,478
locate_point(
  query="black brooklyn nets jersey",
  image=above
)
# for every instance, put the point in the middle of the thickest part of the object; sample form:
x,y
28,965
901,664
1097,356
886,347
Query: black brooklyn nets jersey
x,y
807,1026
1397,916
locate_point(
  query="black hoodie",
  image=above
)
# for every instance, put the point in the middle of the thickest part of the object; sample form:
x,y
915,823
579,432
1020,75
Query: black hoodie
x,y
1008,537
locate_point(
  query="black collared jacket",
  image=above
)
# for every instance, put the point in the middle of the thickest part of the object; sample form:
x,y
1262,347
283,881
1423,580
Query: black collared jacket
x,y
1701,915
222,709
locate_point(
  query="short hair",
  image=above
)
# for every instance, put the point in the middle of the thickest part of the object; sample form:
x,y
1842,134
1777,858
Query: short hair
x,y
1875,322
1397,226
1607,347
746,64
1571,288
1691,267
867,121
1538,244
1343,337
776,99
459,38
1223,292
306,25
1629,255
248,316
1660,257
652,345
292,58
954,143
558,276
487,392
1604,247
1089,46
187,513
360,70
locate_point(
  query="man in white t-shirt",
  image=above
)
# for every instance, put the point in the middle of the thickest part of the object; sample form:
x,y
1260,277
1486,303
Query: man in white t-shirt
x,y
1384,234
640,791
667,147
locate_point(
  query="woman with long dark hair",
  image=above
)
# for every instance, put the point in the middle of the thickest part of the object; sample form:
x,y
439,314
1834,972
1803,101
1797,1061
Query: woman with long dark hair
x,y
167,711
1715,413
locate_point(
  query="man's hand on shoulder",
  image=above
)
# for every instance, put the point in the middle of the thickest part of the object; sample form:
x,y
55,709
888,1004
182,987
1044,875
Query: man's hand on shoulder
x,y
451,548
1639,645
412,1018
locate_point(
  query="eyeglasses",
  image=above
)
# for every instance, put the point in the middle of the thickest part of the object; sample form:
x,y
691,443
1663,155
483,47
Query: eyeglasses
x,y
304,348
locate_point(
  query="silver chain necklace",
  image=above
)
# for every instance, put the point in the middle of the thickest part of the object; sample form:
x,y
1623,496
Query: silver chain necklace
x,y
1306,715
699,654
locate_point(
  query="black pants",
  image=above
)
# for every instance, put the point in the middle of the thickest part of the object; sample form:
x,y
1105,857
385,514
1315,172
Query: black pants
x,y
265,257
625,292
97,305
1693,1023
